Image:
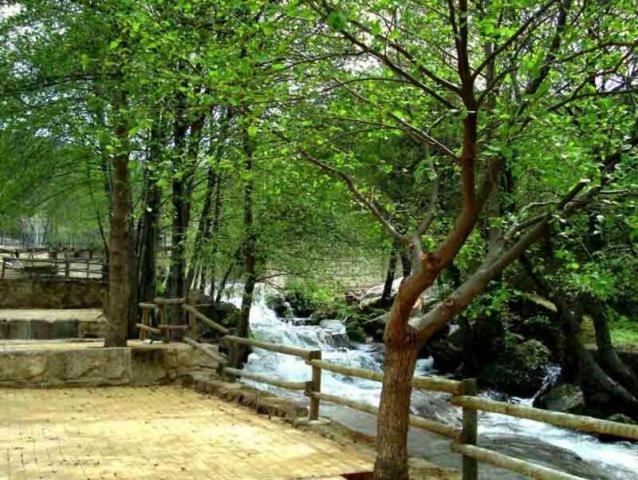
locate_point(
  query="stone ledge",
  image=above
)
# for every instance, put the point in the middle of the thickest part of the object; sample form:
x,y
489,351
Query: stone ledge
x,y
263,402
51,293
33,365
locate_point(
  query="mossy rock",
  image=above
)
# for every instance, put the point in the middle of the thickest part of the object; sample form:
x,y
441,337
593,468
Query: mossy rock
x,y
355,331
324,312
587,333
301,304
518,370
281,307
566,398
223,312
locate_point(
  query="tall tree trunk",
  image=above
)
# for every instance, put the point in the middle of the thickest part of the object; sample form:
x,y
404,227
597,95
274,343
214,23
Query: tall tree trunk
x,y
133,279
212,265
393,420
249,254
209,216
187,149
599,389
607,355
149,231
226,275
386,296
181,210
205,221
406,263
119,292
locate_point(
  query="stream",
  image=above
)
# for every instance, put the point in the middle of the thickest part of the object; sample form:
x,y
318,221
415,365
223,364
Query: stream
x,y
576,453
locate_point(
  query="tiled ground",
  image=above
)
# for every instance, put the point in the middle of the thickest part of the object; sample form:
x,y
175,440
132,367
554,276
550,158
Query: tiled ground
x,y
159,433
64,344
51,315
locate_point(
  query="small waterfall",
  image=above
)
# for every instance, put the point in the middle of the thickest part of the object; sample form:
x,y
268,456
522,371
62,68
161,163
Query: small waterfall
x,y
527,438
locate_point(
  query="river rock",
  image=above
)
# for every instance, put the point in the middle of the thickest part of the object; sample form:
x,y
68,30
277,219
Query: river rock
x,y
446,349
518,370
553,456
375,326
622,418
566,398
277,302
355,331
373,295
224,313
323,312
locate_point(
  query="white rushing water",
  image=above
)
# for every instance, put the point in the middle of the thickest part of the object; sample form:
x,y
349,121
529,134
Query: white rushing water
x,y
615,460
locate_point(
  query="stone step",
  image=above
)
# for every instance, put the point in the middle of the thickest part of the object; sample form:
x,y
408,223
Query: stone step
x,y
51,324
59,363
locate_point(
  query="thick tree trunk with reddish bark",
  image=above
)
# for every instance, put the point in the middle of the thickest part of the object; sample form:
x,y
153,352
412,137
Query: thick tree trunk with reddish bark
x,y
393,420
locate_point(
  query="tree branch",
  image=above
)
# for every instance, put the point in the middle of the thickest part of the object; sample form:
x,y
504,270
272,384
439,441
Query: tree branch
x,y
350,184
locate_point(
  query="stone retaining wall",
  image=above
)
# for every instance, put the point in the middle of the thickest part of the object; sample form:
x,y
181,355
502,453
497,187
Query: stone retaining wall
x,y
95,366
51,293
14,329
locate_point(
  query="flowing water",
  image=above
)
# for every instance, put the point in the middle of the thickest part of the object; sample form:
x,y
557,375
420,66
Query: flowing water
x,y
578,453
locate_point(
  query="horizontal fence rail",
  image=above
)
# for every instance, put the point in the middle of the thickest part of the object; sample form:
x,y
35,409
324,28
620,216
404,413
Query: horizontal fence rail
x,y
266,379
436,384
506,462
559,419
54,267
415,421
273,347
463,394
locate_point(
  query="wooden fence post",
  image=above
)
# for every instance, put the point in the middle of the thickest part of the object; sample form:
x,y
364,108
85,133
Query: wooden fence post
x,y
67,267
192,320
469,435
145,321
162,321
313,413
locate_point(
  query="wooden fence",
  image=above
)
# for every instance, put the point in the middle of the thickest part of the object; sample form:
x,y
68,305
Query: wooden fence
x,y
53,267
464,395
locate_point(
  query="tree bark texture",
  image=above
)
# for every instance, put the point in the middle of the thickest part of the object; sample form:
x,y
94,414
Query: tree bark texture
x,y
119,286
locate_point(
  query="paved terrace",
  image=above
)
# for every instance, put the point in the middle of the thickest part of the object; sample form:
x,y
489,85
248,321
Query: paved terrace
x,y
159,433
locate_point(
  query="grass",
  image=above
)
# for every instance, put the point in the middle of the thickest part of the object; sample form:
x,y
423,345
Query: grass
x,y
625,332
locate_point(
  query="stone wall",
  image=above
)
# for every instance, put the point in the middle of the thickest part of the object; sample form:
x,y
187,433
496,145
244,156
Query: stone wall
x,y
96,366
16,329
51,293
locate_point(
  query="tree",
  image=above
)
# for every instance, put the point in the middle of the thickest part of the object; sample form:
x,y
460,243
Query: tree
x,y
507,77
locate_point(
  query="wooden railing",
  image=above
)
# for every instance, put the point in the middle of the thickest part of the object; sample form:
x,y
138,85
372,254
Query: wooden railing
x,y
464,395
54,267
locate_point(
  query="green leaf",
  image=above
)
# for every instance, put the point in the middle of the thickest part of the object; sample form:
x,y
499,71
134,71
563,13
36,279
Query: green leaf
x,y
337,20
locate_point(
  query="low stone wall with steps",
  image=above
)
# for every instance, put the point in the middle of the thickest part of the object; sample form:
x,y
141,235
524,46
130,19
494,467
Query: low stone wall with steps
x,y
17,329
51,293
93,366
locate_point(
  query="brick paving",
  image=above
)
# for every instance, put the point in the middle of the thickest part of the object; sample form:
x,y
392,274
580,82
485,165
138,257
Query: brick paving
x,y
156,433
